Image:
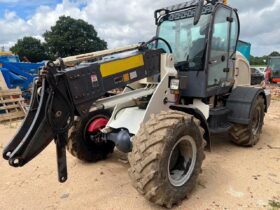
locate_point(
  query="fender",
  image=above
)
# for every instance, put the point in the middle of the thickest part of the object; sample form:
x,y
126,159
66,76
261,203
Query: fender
x,y
199,115
241,100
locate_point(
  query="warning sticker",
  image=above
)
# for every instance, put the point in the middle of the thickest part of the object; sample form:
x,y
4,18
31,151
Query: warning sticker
x,y
133,75
94,80
126,77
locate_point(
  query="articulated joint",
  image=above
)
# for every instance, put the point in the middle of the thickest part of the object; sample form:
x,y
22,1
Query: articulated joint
x,y
122,140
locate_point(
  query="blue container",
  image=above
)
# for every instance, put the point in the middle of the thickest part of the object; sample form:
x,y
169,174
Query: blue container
x,y
245,49
19,74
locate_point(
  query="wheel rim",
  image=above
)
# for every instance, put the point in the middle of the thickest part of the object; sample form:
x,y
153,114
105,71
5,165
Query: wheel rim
x,y
94,136
181,161
256,121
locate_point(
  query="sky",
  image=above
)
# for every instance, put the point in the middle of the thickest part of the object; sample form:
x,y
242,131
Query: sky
x,y
123,22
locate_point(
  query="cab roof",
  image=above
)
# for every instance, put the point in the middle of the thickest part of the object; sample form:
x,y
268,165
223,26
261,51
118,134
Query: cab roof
x,y
190,3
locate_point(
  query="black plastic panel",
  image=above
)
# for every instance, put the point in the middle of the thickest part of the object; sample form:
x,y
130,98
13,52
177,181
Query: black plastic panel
x,y
240,103
87,85
218,120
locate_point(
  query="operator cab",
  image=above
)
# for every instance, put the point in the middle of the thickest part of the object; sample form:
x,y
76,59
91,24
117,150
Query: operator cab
x,y
274,64
204,52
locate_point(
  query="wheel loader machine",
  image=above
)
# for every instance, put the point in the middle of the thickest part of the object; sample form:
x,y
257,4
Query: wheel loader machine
x,y
178,89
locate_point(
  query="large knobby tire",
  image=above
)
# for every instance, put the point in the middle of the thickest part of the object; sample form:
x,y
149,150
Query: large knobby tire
x,y
249,135
167,155
87,148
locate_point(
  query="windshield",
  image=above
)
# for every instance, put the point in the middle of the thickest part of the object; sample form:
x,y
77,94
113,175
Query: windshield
x,y
187,41
275,64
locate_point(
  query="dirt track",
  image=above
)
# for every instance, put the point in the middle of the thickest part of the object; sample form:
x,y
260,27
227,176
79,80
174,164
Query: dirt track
x,y
232,178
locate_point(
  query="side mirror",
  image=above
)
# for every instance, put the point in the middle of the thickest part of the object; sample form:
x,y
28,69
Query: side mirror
x,y
198,12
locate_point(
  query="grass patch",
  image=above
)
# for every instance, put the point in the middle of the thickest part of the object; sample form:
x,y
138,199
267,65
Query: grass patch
x,y
274,204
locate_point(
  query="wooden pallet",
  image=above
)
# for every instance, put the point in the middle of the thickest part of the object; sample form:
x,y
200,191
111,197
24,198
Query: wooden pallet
x,y
3,84
12,105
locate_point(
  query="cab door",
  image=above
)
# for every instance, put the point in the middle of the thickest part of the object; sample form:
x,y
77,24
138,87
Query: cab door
x,y
225,31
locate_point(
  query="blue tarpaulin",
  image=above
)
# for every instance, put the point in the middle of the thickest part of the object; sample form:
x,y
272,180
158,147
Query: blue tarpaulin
x,y
18,74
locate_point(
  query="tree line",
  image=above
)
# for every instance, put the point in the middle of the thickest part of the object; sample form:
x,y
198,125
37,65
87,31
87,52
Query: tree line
x,y
66,38
72,37
262,61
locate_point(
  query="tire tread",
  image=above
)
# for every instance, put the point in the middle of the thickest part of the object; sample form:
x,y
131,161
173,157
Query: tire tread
x,y
146,152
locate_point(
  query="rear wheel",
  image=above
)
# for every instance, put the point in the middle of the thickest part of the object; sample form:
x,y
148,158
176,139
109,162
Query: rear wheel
x,y
167,156
249,135
84,141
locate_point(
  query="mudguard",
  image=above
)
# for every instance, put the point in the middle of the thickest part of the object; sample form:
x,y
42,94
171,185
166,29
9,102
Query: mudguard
x,y
241,100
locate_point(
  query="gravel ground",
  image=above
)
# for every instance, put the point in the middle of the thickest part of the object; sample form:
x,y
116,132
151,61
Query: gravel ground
x,y
232,178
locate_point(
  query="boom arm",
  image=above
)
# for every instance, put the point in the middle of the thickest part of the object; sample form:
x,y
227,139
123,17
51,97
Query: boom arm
x,y
73,60
60,94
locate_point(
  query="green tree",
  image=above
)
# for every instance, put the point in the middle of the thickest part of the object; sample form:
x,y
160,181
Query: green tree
x,y
274,53
258,61
262,61
72,37
30,49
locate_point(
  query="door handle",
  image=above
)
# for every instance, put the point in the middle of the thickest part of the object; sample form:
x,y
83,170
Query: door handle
x,y
226,70
236,71
213,61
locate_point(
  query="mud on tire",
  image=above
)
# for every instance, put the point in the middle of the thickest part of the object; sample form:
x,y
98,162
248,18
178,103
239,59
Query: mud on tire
x,y
79,144
249,135
154,152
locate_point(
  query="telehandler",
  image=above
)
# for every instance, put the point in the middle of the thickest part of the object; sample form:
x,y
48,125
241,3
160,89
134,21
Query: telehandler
x,y
185,84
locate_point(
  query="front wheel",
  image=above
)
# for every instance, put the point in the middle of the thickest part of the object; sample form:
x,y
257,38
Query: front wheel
x,y
167,156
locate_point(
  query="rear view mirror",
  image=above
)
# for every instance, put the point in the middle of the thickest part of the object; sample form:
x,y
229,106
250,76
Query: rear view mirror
x,y
198,11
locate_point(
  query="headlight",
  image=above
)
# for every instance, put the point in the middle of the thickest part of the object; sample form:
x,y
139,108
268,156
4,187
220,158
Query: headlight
x,y
174,84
